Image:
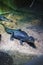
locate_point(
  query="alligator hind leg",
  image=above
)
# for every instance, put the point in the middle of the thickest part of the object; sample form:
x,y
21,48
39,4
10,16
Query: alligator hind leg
x,y
12,38
21,42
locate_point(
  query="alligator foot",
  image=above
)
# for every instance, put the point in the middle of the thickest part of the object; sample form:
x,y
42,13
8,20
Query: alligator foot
x,y
21,42
11,38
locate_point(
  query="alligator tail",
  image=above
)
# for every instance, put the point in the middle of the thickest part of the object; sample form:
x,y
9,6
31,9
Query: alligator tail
x,y
8,30
2,18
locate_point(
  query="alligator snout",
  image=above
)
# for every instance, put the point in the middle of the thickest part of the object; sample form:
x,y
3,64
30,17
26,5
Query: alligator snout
x,y
31,41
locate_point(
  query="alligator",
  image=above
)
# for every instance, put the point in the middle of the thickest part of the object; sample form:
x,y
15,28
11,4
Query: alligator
x,y
3,18
20,35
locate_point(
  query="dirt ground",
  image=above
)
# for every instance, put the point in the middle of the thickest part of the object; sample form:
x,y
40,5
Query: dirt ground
x,y
32,30
22,54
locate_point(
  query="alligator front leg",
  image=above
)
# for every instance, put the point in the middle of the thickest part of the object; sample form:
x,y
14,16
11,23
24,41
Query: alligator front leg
x,y
11,38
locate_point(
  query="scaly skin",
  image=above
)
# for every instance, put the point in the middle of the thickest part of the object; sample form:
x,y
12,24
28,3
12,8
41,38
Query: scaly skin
x,y
20,35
